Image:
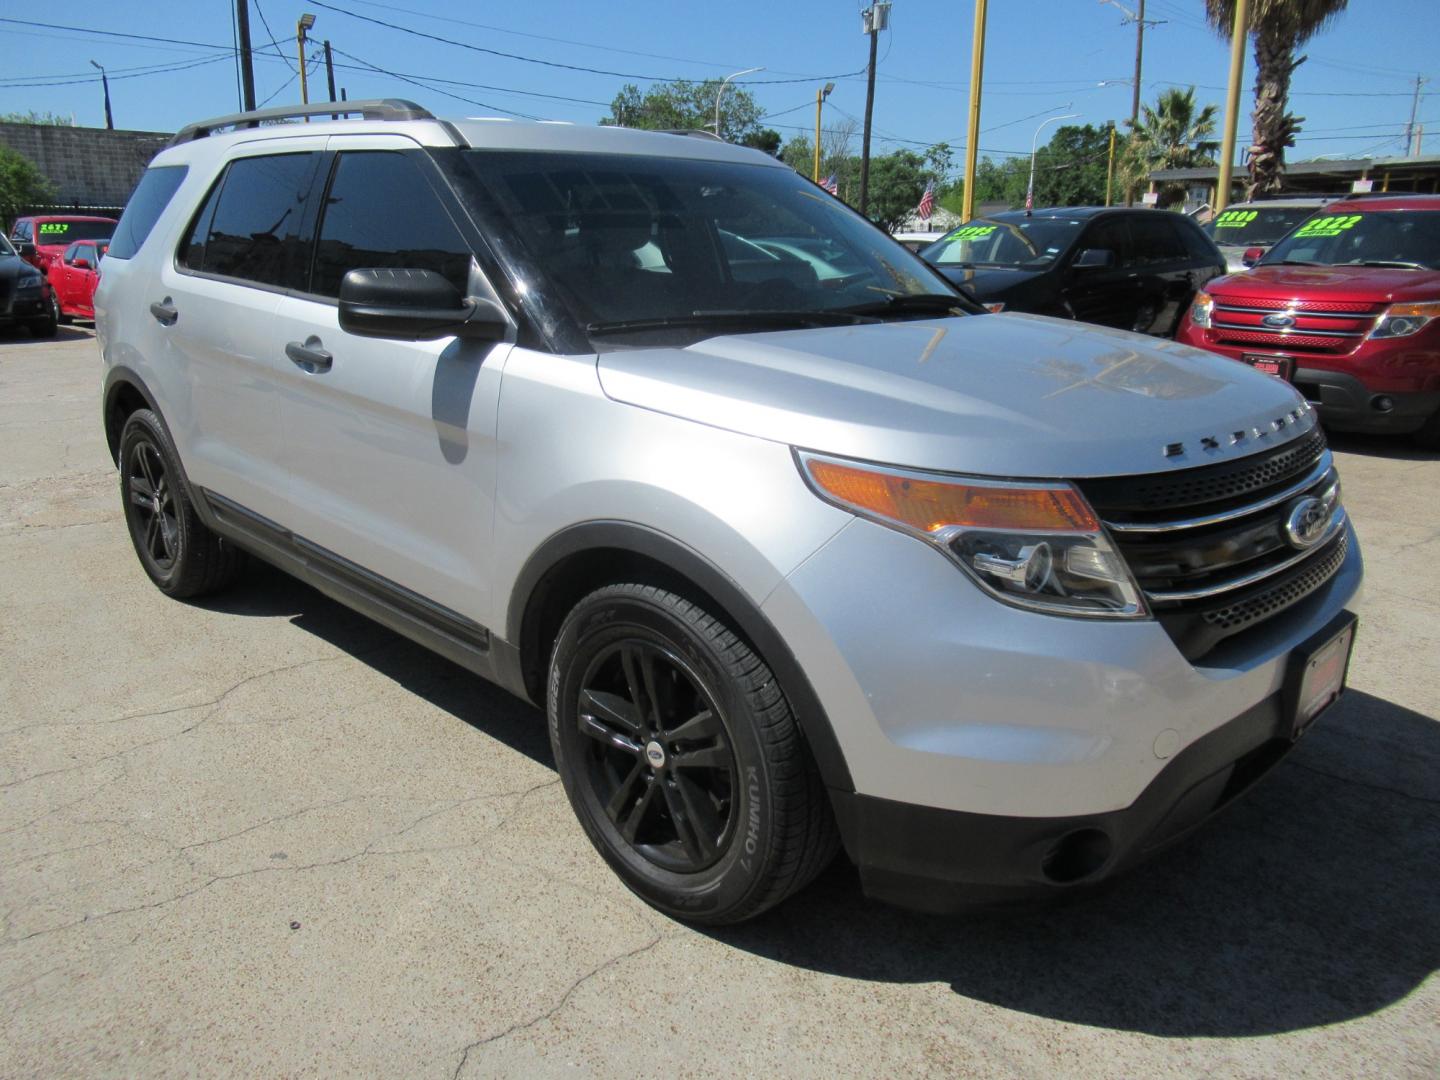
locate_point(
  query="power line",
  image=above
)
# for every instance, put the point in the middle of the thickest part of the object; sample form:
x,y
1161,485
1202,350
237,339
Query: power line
x,y
115,78
437,90
552,63
271,34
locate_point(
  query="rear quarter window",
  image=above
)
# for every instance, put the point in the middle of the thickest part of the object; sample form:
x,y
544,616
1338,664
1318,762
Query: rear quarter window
x,y
154,192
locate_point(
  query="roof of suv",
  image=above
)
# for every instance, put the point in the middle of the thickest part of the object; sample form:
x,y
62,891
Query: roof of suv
x,y
395,117
1069,212
1391,202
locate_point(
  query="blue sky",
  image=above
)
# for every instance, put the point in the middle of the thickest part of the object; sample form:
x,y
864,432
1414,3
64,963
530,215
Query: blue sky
x,y
1043,57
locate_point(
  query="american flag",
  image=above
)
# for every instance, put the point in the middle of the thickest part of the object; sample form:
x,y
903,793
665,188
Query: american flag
x,y
927,201
831,184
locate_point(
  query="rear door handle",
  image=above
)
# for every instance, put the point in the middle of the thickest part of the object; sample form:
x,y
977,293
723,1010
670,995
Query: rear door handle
x,y
164,312
309,355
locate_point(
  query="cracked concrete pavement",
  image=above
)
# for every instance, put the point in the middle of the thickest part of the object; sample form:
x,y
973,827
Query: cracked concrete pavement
x,y
260,835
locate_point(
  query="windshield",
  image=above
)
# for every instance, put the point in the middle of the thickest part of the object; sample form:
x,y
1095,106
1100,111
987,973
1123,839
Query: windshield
x,y
1256,226
645,244
67,232
1399,238
1030,242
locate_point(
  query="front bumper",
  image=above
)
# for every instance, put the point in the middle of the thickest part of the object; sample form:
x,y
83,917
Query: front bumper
x,y
25,305
980,736
1347,404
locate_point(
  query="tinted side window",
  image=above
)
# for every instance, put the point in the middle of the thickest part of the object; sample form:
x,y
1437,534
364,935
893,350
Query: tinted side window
x,y
380,211
24,230
254,233
1199,246
148,202
71,252
1156,240
1110,234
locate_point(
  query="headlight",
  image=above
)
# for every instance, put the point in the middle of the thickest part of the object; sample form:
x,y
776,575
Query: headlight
x,y
1402,320
1201,309
28,281
1035,545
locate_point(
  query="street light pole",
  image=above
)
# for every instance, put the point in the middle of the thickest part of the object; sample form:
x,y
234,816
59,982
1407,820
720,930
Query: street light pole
x,y
721,92
1030,187
305,22
105,82
820,96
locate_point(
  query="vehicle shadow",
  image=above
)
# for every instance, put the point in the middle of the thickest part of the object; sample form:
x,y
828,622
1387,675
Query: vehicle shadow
x,y
1312,900
1397,447
12,335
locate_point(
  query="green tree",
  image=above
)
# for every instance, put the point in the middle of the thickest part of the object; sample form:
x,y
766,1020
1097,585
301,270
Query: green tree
x,y
1070,168
22,185
1172,135
897,181
766,139
683,105
1278,28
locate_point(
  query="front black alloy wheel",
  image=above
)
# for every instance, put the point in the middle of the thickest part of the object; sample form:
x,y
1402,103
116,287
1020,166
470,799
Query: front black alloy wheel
x,y
180,555
681,757
659,764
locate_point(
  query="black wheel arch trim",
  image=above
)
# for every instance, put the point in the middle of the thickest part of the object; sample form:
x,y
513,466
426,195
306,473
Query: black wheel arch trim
x,y
117,378
526,601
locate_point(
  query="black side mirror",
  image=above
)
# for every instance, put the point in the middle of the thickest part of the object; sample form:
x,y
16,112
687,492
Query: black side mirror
x,y
1095,259
414,305
25,248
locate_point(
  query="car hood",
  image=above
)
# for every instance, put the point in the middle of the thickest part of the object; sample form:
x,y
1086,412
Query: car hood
x,y
1009,395
1365,283
991,283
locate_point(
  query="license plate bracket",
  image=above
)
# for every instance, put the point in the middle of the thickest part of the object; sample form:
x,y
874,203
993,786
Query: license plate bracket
x,y
1317,673
1278,367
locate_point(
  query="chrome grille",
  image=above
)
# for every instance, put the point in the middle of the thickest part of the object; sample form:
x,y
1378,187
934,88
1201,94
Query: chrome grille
x,y
1208,546
1316,325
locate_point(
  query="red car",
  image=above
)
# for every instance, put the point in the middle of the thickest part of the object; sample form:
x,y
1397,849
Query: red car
x,y
1347,307
74,277
41,240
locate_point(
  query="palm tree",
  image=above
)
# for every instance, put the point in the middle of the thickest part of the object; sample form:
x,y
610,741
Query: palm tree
x,y
1279,27
1172,135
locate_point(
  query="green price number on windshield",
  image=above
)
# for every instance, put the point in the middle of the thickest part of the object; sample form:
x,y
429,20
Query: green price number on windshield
x,y
1333,225
972,232
53,227
1233,219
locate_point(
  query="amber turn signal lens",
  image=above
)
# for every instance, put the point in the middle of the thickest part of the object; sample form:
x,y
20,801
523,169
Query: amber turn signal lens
x,y
931,505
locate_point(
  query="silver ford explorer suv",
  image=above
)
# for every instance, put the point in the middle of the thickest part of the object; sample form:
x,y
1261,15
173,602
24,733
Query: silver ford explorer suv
x,y
797,547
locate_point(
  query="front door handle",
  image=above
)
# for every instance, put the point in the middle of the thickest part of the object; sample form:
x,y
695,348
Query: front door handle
x,y
164,312
309,355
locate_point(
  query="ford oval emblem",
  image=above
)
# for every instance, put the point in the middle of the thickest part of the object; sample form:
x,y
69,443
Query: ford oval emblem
x,y
1279,321
1308,520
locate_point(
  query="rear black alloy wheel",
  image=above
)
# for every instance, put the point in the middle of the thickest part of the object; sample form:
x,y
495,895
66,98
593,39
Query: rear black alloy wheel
x,y
681,757
659,763
180,555
153,523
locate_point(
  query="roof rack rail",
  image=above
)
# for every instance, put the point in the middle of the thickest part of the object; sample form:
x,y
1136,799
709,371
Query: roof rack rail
x,y
374,109
694,133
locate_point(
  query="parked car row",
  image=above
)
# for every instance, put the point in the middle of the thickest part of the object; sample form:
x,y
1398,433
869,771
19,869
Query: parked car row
x,y
65,250
1343,299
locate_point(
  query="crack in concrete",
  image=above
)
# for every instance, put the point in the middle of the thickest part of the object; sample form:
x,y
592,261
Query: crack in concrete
x,y
570,992
1368,785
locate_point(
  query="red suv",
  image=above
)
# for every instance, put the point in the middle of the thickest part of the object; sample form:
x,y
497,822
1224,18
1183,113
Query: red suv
x,y
1347,307
42,240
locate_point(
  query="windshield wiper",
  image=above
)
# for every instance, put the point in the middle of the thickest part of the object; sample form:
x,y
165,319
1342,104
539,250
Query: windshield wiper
x,y
1397,263
732,318
931,303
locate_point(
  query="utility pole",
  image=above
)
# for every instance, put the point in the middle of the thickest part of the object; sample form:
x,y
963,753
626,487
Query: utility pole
x,y
1412,141
330,74
1138,18
1238,33
247,62
105,81
874,19
972,137
1110,164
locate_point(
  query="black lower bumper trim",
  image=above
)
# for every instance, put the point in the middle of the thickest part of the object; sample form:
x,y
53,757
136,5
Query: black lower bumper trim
x,y
946,861
1346,404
